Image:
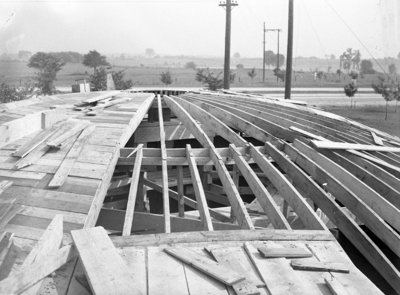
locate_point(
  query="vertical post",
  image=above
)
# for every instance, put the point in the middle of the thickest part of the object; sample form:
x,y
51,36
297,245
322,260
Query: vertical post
x,y
181,200
264,53
277,61
228,5
289,55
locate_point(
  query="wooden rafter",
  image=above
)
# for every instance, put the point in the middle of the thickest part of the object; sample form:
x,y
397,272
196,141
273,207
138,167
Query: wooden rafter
x,y
233,195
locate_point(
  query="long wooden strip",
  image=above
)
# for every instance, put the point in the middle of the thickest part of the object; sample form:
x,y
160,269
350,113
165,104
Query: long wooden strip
x,y
314,265
34,142
235,200
353,146
263,196
180,188
64,169
206,265
167,221
199,191
377,140
284,252
130,208
21,281
102,96
8,255
336,287
77,127
381,206
105,269
5,184
288,192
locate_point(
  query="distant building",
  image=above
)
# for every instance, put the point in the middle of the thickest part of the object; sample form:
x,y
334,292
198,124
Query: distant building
x,y
81,86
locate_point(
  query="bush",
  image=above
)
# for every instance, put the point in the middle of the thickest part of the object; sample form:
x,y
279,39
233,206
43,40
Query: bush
x,y
166,77
98,79
119,82
190,65
9,93
213,81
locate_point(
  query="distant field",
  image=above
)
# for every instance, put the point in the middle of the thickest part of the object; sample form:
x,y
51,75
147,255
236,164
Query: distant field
x,y
146,72
373,116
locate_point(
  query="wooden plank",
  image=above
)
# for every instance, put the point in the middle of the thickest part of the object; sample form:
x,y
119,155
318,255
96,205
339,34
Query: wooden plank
x,y
199,191
57,141
353,146
130,208
235,200
164,168
8,255
21,281
229,257
377,140
284,252
136,259
180,188
228,235
5,184
33,156
26,148
66,166
262,195
288,191
335,286
279,277
166,275
205,265
108,94
315,265
381,206
107,273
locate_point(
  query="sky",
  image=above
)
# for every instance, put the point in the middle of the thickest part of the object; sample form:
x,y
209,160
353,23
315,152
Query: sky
x,y
197,27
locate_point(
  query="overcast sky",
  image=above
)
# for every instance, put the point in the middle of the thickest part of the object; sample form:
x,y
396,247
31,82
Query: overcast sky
x,y
196,27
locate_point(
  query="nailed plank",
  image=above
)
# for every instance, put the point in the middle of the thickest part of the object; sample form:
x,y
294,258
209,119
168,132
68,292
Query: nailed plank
x,y
199,191
21,281
106,271
66,166
315,265
288,191
353,146
235,200
267,252
205,265
165,193
263,196
130,208
277,274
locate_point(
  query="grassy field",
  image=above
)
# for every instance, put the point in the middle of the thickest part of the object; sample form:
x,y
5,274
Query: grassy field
x,y
373,116
146,72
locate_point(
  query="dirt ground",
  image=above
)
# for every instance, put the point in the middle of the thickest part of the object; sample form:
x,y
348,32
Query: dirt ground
x,y
373,116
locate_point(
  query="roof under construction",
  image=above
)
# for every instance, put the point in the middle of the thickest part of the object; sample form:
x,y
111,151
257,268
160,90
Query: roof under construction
x,y
160,191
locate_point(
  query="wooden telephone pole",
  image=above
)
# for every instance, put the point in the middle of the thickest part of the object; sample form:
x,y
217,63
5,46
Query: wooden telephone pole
x,y
289,54
228,4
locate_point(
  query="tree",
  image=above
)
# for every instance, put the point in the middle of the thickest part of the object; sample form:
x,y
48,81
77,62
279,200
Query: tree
x,y
119,81
367,67
240,66
48,66
98,80
252,74
232,76
270,59
166,77
350,90
388,91
213,81
93,59
236,55
392,69
190,65
150,52
280,74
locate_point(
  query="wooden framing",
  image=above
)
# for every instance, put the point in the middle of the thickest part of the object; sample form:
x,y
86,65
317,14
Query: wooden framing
x,y
167,222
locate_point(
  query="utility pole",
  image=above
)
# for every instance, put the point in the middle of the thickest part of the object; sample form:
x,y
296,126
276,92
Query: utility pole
x,y
277,57
228,4
264,53
289,54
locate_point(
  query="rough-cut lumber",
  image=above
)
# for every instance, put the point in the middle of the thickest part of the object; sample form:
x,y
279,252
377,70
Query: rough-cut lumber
x,y
212,122
315,265
381,206
288,191
64,169
76,128
187,201
263,196
34,142
105,269
21,281
229,235
353,146
8,255
130,208
206,265
5,184
180,189
233,195
377,140
102,96
268,252
166,210
199,191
